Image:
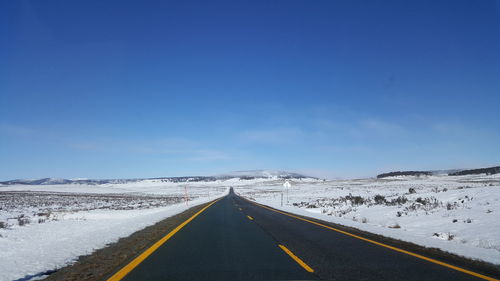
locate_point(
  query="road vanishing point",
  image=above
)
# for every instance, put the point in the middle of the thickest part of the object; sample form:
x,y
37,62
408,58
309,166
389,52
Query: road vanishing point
x,y
236,239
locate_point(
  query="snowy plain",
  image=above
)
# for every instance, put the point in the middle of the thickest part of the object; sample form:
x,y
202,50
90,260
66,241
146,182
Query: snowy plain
x,y
458,214
46,227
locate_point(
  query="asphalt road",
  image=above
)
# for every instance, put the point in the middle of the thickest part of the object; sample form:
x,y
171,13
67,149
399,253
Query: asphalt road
x,y
238,240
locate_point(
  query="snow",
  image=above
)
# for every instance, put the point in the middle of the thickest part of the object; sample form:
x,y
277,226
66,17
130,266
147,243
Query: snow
x,y
458,214
270,174
50,226
45,227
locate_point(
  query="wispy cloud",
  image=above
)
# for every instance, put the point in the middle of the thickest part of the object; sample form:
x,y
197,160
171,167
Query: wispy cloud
x,y
169,145
85,146
16,130
179,148
272,136
205,155
176,147
381,126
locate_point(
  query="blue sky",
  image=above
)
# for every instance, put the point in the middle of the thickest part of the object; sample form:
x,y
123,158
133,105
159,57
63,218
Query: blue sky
x,y
122,89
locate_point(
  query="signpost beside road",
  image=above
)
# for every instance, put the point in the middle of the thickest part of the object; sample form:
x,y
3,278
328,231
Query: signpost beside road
x,y
287,186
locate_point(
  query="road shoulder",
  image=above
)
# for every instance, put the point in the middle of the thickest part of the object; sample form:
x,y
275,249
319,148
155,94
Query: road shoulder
x,y
106,261
481,267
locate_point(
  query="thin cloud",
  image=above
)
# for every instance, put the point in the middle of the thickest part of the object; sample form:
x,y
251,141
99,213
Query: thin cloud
x,y
272,136
206,155
16,130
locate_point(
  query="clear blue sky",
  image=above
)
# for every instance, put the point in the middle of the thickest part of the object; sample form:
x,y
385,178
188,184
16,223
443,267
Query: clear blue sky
x,y
121,89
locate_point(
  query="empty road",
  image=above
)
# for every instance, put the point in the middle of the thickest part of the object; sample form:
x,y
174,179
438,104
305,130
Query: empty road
x,y
234,239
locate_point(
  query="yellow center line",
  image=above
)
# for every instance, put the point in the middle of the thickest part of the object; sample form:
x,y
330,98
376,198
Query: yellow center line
x,y
250,218
297,259
380,244
133,264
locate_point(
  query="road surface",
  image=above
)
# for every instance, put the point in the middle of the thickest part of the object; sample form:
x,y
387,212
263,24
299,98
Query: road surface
x,y
235,239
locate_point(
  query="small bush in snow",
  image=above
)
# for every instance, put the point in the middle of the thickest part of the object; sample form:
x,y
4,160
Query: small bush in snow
x,y
412,190
379,199
355,200
22,220
364,220
444,235
399,201
395,226
450,206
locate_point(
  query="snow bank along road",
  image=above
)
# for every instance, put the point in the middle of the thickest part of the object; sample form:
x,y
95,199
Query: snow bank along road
x,y
236,239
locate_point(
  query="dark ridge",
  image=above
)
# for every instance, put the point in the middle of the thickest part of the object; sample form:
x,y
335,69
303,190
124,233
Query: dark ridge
x,y
488,171
404,173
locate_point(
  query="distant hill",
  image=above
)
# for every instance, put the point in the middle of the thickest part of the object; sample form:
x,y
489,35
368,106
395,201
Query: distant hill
x,y
488,171
265,174
454,172
242,175
405,173
51,181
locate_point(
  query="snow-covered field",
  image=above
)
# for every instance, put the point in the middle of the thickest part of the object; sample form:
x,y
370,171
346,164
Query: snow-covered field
x,y
45,227
459,214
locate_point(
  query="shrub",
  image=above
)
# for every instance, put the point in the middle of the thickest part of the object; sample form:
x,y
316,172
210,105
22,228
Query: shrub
x,y
379,199
399,201
412,190
355,200
22,220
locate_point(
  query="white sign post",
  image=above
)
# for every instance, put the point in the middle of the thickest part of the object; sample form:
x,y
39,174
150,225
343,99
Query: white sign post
x,y
186,195
287,186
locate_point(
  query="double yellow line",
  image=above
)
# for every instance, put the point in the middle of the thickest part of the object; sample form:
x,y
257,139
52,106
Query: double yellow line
x,y
475,274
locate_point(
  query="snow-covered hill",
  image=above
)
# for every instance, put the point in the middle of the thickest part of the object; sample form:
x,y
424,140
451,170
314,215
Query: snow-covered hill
x,y
242,175
264,174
